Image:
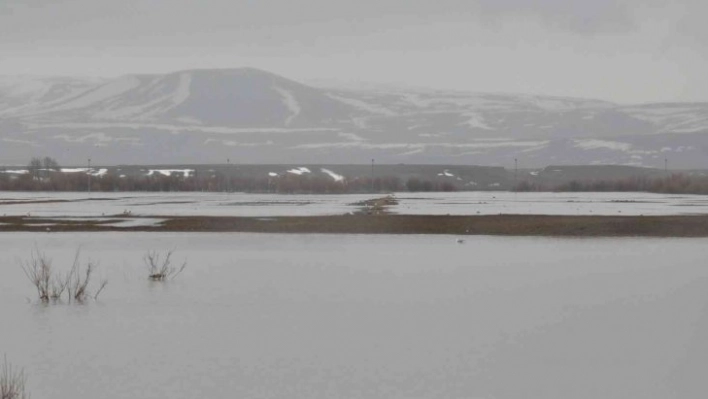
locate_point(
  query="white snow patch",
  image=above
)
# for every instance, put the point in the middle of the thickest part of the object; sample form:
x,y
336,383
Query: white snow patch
x,y
99,173
233,143
592,144
16,172
176,128
446,173
476,121
98,138
291,103
182,93
102,93
272,174
351,136
169,172
299,171
333,175
411,146
73,170
376,109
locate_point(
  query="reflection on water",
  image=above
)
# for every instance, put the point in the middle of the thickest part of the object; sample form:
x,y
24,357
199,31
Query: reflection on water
x,y
308,316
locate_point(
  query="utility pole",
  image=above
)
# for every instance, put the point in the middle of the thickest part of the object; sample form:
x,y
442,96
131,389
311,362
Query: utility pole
x,y
372,175
88,172
516,174
666,166
228,175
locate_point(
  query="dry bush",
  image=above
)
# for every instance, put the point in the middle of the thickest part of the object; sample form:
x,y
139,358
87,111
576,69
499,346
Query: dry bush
x,y
160,266
38,270
52,285
12,382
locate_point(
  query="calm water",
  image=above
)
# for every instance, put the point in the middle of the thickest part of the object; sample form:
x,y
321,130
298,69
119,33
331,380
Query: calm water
x,y
316,316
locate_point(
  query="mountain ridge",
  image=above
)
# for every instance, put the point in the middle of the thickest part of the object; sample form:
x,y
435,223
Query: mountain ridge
x,y
200,115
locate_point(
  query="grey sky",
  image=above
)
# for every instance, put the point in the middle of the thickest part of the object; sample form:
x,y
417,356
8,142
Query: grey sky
x,y
626,51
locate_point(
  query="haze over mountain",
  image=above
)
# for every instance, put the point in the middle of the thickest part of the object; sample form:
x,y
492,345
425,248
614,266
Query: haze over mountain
x,y
252,116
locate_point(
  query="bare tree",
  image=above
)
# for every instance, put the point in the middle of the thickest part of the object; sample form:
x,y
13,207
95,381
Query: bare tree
x,y
52,285
50,163
34,167
38,270
160,266
12,382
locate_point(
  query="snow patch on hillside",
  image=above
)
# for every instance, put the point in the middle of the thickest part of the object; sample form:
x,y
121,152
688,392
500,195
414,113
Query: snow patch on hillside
x,y
169,172
299,171
183,89
102,93
333,175
363,105
592,144
476,121
290,103
176,128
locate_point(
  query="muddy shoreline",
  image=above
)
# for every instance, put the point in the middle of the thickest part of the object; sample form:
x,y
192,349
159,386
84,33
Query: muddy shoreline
x,y
505,225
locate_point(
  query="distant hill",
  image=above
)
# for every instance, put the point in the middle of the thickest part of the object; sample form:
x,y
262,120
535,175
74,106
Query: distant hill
x,y
252,116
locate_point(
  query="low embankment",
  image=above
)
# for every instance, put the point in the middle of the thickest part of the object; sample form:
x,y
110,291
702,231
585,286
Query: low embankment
x,y
511,225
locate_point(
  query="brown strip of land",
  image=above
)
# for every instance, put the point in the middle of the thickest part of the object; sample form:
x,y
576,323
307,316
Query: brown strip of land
x,y
511,225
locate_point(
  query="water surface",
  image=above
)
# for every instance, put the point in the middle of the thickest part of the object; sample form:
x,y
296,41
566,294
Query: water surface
x,y
345,316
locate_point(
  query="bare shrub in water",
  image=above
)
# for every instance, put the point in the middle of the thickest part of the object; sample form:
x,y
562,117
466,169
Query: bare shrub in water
x,y
52,285
77,281
160,267
38,270
12,382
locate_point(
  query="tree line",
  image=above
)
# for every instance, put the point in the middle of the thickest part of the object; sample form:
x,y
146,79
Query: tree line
x,y
44,174
677,183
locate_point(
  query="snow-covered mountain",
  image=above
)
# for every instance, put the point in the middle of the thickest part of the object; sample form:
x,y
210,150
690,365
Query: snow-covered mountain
x,y
252,116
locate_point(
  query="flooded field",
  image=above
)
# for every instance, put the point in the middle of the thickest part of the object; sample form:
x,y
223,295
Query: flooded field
x,y
240,204
325,316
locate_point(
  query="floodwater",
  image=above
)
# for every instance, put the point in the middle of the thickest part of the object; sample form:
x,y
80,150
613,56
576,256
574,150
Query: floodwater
x,y
242,204
345,316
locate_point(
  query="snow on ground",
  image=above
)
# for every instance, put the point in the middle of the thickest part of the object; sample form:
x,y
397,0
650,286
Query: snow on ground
x,y
136,222
333,175
16,171
299,171
271,205
272,174
169,172
100,172
446,173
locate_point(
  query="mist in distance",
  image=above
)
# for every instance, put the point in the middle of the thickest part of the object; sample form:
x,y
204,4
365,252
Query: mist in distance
x,y
623,51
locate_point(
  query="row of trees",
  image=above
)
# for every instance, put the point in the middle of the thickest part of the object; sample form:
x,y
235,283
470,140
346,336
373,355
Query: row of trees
x,y
677,183
44,174
44,179
49,180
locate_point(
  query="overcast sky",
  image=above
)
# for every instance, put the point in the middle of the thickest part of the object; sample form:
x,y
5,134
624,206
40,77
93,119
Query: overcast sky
x,y
620,50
